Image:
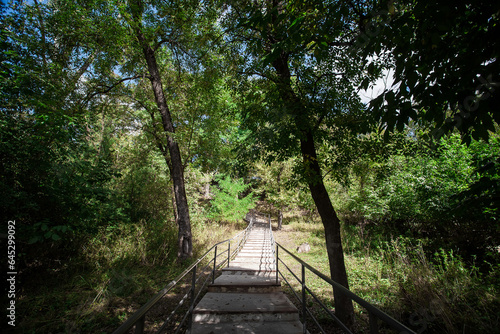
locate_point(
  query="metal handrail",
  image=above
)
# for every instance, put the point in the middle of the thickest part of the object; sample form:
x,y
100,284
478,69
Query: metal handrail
x,y
139,317
374,312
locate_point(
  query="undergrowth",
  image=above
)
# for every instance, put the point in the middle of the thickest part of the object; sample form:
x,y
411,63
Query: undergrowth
x,y
112,275
430,293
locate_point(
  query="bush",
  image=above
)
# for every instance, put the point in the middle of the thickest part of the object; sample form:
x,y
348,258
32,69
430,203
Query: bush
x,y
445,194
441,295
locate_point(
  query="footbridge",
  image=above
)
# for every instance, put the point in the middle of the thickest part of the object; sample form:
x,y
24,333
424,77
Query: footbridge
x,y
236,287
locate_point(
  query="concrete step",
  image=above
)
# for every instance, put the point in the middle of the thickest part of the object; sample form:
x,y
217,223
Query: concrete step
x,y
271,272
252,265
246,298
252,259
257,242
255,257
255,254
275,327
245,284
216,307
257,246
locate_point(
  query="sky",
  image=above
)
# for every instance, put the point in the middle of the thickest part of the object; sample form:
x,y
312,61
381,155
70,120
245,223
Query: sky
x,y
386,81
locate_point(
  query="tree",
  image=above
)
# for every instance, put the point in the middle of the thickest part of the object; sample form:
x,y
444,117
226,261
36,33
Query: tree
x,y
164,31
445,56
300,93
230,202
277,184
135,20
54,174
116,47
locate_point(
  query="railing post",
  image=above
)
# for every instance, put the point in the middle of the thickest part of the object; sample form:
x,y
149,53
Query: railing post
x,y
277,261
215,265
139,325
304,310
228,253
373,323
191,308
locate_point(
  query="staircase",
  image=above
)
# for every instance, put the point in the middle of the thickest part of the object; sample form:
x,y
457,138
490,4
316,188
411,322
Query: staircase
x,y
247,297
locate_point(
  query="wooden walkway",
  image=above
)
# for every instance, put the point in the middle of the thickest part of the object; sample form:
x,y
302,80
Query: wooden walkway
x,y
246,298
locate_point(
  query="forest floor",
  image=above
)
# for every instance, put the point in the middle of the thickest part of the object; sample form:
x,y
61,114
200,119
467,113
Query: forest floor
x,y
394,274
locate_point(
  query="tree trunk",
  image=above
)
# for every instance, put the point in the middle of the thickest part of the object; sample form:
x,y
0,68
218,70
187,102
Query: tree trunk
x,y
343,305
280,219
185,246
280,212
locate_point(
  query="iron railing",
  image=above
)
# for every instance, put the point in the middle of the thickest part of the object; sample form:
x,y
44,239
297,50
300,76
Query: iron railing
x,y
211,264
375,314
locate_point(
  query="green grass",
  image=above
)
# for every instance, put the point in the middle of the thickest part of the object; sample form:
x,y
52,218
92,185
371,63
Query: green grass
x,y
431,294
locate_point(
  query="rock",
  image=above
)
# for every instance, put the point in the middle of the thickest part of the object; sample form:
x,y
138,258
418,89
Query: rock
x,y
304,248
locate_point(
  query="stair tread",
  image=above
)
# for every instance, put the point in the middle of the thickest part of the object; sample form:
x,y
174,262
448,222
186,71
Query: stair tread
x,y
265,327
246,298
234,303
244,280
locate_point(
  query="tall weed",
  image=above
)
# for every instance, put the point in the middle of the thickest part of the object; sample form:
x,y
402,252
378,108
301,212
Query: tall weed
x,y
441,294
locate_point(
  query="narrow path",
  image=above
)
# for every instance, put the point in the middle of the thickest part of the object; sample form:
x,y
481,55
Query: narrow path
x,y
246,298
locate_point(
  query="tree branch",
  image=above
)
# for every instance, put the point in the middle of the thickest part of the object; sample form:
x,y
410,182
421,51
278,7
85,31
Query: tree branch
x,y
259,74
106,89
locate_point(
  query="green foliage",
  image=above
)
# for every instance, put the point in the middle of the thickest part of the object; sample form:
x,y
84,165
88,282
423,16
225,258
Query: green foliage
x,y
441,293
144,243
52,184
481,198
446,61
429,194
429,292
231,200
277,183
298,75
83,173
114,273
